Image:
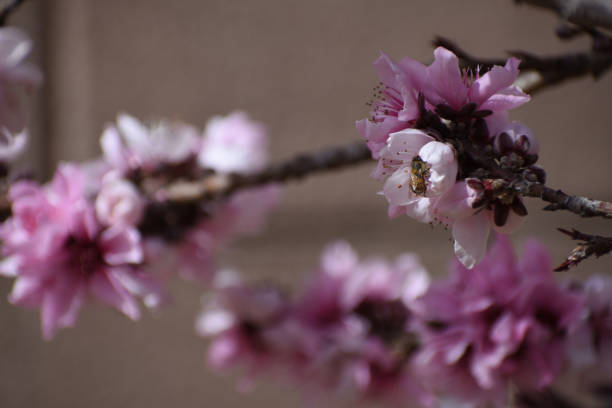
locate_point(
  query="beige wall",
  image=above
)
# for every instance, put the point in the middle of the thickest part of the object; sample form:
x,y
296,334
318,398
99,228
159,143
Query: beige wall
x,y
304,68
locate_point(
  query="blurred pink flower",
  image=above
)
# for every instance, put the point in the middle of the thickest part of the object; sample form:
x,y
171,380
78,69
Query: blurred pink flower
x,y
356,321
231,144
591,345
60,254
503,322
130,145
17,78
234,143
118,201
349,330
241,320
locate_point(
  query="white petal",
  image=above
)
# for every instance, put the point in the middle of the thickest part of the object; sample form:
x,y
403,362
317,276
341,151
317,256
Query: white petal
x,y
405,144
444,167
397,187
471,236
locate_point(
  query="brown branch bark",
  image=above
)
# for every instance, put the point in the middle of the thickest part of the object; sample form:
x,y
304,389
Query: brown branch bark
x,y
222,185
590,245
583,206
590,13
9,9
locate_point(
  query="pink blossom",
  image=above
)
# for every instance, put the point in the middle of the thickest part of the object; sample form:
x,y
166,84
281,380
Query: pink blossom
x,y
503,322
590,345
419,127
395,106
60,255
424,169
494,91
234,143
352,315
231,144
349,330
17,78
130,145
241,320
118,201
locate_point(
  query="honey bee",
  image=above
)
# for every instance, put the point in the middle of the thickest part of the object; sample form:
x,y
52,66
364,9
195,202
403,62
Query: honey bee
x,y
419,173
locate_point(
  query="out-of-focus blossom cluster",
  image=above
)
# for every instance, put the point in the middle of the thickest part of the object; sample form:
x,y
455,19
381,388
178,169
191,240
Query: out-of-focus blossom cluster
x,y
443,141
383,331
98,229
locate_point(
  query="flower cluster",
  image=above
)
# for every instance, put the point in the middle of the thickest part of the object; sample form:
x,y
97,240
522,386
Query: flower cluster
x,y
96,229
382,330
348,330
445,145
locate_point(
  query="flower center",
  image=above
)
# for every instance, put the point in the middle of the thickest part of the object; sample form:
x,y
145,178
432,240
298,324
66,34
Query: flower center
x,y
386,101
419,174
84,256
387,318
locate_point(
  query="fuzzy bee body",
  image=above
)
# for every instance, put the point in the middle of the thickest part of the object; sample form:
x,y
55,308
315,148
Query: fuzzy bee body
x,y
419,173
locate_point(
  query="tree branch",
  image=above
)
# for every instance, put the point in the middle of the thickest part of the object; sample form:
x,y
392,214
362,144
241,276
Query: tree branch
x,y
222,185
583,206
589,245
9,9
590,13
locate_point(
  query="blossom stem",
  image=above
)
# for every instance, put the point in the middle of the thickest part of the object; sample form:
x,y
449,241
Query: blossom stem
x,y
589,245
538,72
590,13
8,9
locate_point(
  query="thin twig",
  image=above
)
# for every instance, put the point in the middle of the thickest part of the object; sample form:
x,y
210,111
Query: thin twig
x,y
222,185
589,245
590,13
583,206
9,9
538,72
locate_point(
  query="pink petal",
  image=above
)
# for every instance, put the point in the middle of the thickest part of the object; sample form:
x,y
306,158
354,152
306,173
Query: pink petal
x,y
509,98
395,211
457,202
497,79
60,304
470,235
536,261
421,209
446,79
121,245
27,291
110,291
113,148
14,46
386,69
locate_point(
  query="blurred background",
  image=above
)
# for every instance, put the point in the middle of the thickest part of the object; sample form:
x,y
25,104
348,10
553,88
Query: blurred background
x,y
305,69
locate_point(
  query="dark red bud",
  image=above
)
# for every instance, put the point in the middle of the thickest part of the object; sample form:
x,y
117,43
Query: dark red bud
x,y
500,214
